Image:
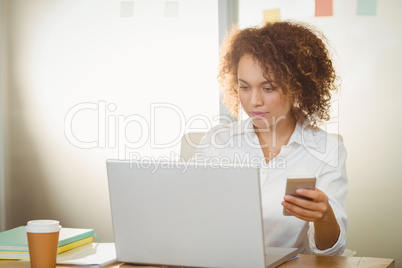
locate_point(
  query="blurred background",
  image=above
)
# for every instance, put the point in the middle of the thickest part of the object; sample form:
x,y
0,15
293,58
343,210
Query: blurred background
x,y
83,81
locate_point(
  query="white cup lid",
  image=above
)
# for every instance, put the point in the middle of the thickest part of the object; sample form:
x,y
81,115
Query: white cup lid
x,y
43,226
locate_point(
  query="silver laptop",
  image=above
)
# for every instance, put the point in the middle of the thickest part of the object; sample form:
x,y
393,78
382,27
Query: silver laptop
x,y
189,214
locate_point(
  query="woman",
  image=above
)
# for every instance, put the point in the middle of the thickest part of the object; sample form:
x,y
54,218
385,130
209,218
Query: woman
x,y
282,76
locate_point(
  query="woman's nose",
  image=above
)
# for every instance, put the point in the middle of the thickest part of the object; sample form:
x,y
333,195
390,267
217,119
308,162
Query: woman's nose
x,y
256,98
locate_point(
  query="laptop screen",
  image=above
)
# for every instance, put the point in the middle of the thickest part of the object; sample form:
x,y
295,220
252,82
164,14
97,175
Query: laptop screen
x,y
186,214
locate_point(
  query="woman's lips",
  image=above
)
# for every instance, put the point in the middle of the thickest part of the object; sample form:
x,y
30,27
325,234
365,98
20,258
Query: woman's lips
x,y
258,115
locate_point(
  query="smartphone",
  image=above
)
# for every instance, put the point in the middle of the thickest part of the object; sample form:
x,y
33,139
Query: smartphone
x,y
298,182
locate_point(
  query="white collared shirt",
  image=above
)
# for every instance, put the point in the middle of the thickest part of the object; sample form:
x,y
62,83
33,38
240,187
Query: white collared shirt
x,y
308,152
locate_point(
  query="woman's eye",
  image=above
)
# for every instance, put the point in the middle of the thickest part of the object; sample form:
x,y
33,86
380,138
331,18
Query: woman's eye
x,y
243,87
268,89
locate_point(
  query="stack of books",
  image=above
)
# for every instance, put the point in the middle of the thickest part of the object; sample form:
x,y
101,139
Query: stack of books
x,y
14,242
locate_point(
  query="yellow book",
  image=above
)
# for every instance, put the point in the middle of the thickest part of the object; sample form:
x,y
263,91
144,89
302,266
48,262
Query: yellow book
x,y
17,255
75,244
16,239
24,254
14,255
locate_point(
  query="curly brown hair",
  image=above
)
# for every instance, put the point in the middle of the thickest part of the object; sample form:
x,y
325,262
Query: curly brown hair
x,y
295,53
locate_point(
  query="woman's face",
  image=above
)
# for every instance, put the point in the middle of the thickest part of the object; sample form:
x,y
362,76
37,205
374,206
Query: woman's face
x,y
262,100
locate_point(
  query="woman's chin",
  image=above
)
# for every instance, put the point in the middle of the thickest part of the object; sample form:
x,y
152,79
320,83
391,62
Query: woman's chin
x,y
261,123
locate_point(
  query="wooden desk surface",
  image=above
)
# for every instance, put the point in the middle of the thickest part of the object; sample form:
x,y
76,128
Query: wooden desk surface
x,y
338,261
312,261
309,261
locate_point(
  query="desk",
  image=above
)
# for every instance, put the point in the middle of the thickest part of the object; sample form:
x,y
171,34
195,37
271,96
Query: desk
x,y
304,261
312,261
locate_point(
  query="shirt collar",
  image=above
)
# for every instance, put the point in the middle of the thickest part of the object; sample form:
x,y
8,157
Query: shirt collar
x,y
303,133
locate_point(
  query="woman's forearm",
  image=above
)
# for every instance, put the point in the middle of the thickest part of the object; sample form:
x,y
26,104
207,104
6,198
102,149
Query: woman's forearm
x,y
326,231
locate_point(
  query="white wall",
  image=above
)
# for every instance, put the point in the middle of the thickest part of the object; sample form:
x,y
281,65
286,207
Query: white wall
x,y
2,111
81,75
368,54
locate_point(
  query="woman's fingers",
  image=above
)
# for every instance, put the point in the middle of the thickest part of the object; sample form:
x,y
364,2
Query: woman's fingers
x,y
302,213
308,210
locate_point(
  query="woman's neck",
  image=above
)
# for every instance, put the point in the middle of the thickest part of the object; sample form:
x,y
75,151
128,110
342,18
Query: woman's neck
x,y
278,134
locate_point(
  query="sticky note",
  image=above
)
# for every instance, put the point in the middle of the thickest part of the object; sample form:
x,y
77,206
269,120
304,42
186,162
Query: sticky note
x,y
324,8
171,9
272,15
366,7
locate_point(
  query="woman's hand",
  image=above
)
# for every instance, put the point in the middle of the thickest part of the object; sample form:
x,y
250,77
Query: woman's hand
x,y
315,210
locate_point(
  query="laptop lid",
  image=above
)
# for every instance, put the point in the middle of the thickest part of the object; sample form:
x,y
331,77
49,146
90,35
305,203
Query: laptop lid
x,y
186,214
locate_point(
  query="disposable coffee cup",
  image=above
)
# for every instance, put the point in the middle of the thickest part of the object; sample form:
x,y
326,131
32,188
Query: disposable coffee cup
x,y
43,241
